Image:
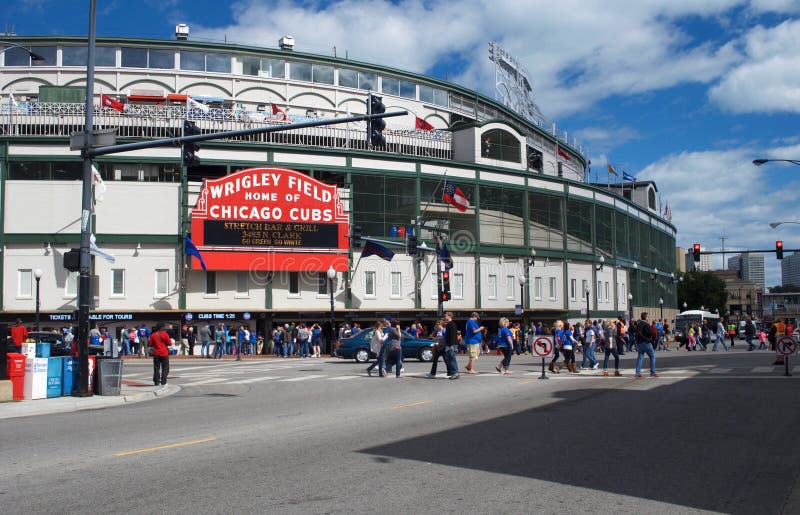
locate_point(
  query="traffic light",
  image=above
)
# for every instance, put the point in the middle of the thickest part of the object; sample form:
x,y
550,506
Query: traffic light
x,y
188,157
696,250
411,245
375,127
445,285
72,260
355,236
779,249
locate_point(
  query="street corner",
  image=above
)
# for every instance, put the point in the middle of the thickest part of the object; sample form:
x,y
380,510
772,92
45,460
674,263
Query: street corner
x,y
134,391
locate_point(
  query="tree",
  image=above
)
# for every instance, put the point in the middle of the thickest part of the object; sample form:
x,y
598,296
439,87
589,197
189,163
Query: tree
x,y
786,288
702,289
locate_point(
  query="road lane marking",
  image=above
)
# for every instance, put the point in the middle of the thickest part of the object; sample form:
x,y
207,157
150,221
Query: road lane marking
x,y
301,378
254,380
343,378
720,370
207,381
161,447
762,370
400,406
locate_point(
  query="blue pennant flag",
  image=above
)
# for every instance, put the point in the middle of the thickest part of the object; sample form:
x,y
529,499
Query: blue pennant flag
x,y
444,255
190,248
628,177
376,249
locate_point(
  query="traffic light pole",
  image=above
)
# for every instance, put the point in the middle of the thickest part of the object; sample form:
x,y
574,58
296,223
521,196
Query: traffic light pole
x,y
439,302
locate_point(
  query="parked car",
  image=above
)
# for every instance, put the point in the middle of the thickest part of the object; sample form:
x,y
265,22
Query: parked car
x,y
357,347
57,345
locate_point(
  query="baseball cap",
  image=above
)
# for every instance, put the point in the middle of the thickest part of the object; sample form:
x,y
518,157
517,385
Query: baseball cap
x,y
388,318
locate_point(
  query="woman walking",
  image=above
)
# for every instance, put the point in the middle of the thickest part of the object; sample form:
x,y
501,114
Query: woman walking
x,y
568,343
610,347
557,344
377,347
395,348
505,342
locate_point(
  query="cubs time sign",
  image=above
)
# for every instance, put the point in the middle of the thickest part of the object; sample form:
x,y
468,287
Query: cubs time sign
x,y
270,219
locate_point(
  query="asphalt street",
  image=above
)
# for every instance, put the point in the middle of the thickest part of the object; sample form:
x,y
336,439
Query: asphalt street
x,y
715,433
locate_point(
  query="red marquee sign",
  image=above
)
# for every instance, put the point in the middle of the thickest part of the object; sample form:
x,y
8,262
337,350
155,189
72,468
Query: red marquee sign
x,y
270,219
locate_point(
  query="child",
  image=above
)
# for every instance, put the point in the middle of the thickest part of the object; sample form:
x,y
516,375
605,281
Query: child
x,y
691,342
762,340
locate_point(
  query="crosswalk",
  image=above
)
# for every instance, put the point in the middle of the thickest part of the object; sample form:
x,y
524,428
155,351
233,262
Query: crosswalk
x,y
305,370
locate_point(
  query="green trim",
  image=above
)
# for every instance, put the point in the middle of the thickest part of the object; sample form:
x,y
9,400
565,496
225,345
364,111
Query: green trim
x,y
313,94
82,80
26,79
206,83
147,81
262,88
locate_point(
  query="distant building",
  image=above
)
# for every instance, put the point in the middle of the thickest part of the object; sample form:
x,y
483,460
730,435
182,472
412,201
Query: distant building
x,y
705,263
751,267
790,269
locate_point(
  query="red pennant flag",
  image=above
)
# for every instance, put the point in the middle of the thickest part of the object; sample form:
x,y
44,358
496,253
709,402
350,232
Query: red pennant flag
x,y
562,153
107,101
423,125
278,111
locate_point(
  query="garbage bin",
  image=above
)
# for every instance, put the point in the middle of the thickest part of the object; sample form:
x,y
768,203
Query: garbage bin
x,y
109,375
69,375
15,368
55,374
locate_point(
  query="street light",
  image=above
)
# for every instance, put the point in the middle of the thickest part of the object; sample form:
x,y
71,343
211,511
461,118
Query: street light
x,y
759,162
34,56
332,337
776,224
521,280
685,306
630,307
586,292
37,273
661,306
599,267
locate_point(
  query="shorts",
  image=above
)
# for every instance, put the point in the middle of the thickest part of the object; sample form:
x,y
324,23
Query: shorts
x,y
474,350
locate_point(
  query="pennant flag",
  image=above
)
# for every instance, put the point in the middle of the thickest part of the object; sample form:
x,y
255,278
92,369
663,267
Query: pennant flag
x,y
278,111
107,101
372,248
423,125
562,153
612,171
197,105
445,257
97,252
628,177
191,249
99,185
453,195
12,100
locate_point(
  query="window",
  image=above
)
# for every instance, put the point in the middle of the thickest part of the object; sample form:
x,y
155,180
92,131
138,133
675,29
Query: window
x,y
584,287
162,280
599,291
117,281
162,59
218,63
242,284
553,292
458,286
134,57
300,71
510,287
274,68
71,285
537,288
25,284
322,283
396,287
433,96
491,285
322,74
20,57
76,56
194,61
211,283
397,87
369,284
294,283
573,284
651,198
501,145
355,79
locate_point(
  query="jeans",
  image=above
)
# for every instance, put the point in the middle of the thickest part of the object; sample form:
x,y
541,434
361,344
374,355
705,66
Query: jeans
x,y
160,369
126,347
396,359
435,362
719,339
219,350
205,348
305,348
750,344
506,357
380,361
648,349
609,352
450,360
588,355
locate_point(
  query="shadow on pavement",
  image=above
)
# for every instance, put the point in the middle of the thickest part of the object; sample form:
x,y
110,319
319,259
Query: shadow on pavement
x,y
718,445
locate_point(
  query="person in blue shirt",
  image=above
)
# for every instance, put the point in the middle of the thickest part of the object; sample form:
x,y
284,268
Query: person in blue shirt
x,y
316,340
558,343
505,342
473,336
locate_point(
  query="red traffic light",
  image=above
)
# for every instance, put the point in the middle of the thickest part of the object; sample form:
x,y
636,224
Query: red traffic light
x,y
779,249
779,244
697,247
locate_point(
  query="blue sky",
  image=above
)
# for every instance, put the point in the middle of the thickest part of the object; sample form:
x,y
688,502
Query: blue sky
x,y
683,92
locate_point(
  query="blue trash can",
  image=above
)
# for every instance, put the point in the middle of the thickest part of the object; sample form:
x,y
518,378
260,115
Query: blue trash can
x,y
55,372
70,375
42,349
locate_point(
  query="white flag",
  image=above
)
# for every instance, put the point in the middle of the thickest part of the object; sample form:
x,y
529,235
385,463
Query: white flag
x,y
97,252
197,105
99,185
12,100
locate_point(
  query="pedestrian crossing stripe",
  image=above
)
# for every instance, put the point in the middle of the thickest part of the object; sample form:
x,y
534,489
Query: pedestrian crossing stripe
x,y
301,378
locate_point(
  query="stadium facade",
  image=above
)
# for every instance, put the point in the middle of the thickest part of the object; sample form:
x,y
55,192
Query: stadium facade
x,y
526,182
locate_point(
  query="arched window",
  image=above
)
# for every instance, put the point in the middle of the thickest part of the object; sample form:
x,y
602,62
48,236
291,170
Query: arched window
x,y
651,198
501,145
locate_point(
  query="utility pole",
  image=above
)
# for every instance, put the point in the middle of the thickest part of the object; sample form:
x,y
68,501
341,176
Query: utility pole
x,y
723,238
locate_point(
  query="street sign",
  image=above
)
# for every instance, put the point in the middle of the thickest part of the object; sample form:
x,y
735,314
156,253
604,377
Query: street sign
x,y
543,346
518,309
786,346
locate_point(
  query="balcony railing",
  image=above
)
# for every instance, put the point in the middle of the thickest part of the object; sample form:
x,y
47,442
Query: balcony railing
x,y
155,122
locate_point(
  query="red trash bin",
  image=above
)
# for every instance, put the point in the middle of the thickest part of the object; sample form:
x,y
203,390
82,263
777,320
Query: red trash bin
x,y
15,369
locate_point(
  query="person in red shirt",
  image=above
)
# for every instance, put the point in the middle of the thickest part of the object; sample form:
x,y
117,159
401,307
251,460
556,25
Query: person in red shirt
x,y
19,334
159,344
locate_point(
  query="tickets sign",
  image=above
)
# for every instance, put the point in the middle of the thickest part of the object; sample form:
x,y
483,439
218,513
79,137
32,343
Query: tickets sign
x,y
270,219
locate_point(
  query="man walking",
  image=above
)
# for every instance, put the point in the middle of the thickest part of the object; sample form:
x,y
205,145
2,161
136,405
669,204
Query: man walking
x,y
159,342
644,345
749,333
450,346
474,338
720,337
204,335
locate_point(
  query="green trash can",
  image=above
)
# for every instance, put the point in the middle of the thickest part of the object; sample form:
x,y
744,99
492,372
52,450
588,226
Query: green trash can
x,y
108,376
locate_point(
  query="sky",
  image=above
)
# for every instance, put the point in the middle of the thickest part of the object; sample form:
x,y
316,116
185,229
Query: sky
x,y
682,92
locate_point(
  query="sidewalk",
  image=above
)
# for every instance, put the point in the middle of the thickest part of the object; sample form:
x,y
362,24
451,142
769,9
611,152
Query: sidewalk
x,y
130,392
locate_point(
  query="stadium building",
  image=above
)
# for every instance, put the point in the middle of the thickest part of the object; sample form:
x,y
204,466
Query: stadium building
x,y
272,214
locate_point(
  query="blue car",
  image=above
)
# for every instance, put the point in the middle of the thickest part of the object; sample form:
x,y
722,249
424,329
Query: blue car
x,y
357,347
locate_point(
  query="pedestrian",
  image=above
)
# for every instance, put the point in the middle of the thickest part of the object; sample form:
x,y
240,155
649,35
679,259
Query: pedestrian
x,y
316,340
159,342
558,342
474,338
304,338
762,340
439,332
451,346
184,350
144,337
568,343
220,341
19,334
376,345
778,330
191,338
644,344
505,342
204,334
610,347
589,344
719,337
749,333
133,337
731,332
125,338
395,348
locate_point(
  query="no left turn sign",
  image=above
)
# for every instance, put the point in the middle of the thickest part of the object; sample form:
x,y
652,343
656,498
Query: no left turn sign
x,y
786,346
543,346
